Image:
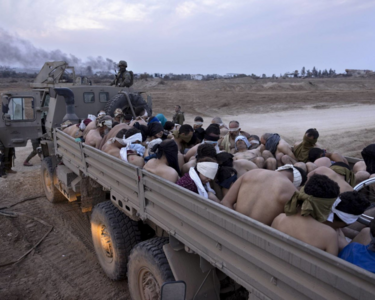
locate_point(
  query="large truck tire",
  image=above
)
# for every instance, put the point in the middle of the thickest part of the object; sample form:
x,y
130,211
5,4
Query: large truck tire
x,y
120,101
49,179
114,235
148,269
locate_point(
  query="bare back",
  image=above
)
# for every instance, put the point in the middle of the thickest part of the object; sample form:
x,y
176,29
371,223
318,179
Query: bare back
x,y
93,138
308,230
156,167
263,194
111,149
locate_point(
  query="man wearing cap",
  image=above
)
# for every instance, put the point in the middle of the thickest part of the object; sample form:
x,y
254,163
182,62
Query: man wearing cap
x,y
103,125
123,77
262,194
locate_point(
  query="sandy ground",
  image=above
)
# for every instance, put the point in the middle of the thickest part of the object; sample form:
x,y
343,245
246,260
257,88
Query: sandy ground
x,y
64,265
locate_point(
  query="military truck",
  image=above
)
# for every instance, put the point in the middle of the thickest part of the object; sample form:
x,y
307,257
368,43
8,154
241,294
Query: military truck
x,y
151,231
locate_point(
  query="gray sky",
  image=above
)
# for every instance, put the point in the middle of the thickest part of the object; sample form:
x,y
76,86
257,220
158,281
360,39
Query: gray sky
x,y
205,36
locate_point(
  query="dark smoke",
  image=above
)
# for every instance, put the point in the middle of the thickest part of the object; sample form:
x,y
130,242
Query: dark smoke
x,y
17,51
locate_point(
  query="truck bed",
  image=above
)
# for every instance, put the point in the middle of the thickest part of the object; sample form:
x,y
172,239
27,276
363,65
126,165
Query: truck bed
x,y
268,263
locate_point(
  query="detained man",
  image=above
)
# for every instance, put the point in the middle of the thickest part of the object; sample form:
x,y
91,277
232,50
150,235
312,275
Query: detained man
x,y
134,150
242,151
165,164
182,137
241,166
279,148
339,179
198,179
223,127
103,126
203,150
211,136
262,194
227,143
114,144
307,215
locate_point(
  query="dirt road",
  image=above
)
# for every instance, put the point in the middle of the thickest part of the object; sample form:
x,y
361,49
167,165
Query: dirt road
x,y
64,265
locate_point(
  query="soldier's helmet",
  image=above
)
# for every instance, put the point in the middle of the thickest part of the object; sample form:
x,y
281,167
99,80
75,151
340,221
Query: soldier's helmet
x,y
122,63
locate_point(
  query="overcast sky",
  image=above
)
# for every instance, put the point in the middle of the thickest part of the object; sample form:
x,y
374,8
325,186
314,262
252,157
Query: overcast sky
x,y
205,36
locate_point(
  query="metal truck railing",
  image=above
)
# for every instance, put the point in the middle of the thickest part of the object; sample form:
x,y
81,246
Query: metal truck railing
x,y
268,263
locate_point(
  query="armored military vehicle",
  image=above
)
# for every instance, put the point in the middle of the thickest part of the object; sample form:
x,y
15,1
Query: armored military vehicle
x,y
36,112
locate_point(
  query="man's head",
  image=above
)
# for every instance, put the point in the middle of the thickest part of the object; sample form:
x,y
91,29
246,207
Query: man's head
x,y
348,207
241,143
206,168
122,65
234,129
132,131
299,175
254,141
186,133
177,108
118,113
264,138
140,111
225,159
104,124
128,119
206,150
315,153
321,186
169,125
217,120
100,113
198,122
212,134
312,133
169,149
155,130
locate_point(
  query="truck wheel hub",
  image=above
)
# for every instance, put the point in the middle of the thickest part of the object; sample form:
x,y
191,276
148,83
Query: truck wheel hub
x,y
149,286
106,242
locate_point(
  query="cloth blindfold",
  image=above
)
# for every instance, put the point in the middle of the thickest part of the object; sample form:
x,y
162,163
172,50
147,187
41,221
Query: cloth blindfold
x,y
208,169
345,217
297,178
242,138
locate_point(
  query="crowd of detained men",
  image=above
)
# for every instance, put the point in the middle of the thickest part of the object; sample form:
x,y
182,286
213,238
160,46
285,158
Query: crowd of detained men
x,y
301,190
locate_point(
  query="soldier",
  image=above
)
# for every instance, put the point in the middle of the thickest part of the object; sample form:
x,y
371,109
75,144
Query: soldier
x,y
35,143
6,160
123,77
179,117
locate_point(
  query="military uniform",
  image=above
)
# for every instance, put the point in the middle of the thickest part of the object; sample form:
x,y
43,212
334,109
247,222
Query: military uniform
x,y
123,77
179,118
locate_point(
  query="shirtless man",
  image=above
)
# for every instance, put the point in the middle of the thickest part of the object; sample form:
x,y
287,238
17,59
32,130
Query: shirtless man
x,y
94,137
134,150
165,164
310,230
227,143
203,150
261,194
279,148
223,127
242,152
112,133
212,135
182,137
198,122
240,165
114,144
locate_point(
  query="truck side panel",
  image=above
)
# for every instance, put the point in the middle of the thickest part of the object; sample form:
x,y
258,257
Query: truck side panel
x,y
263,260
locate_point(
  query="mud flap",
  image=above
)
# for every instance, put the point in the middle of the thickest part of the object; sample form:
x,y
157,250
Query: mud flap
x,y
91,194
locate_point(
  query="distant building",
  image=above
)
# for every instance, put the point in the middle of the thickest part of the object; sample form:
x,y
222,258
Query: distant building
x,y
359,73
197,77
159,75
231,75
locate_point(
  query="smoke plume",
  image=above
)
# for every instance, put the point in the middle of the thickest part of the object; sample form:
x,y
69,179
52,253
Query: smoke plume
x,y
17,51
